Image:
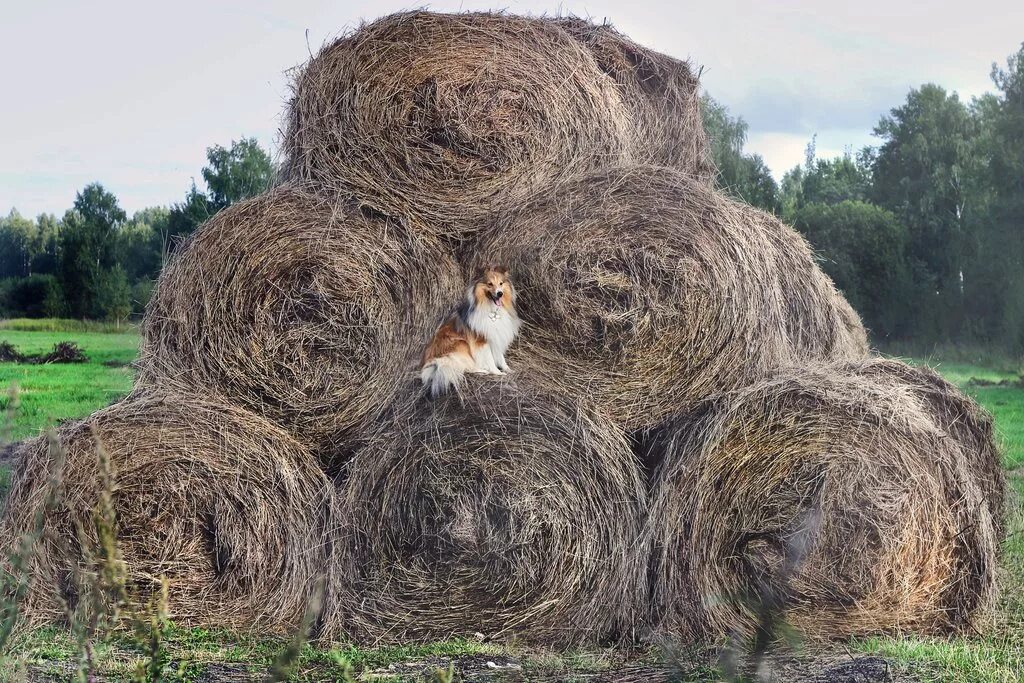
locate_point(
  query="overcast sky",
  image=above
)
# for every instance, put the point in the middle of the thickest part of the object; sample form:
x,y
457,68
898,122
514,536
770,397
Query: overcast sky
x,y
131,93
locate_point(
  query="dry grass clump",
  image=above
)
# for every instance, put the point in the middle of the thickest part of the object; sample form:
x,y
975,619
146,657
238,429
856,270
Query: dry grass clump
x,y
507,512
301,308
661,92
225,505
645,290
450,117
835,493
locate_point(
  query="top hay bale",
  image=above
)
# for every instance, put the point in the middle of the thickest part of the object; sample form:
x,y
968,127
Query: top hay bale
x,y
450,117
662,94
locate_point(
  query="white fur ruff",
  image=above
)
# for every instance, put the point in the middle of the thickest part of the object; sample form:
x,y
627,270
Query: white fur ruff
x,y
499,326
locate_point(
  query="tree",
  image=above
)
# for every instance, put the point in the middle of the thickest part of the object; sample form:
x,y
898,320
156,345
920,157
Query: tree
x,y
183,219
44,248
994,280
16,236
88,249
744,176
240,172
141,243
921,174
826,181
863,250
234,174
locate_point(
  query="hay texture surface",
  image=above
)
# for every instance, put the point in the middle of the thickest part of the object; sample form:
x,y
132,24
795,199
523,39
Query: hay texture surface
x,y
839,493
645,290
450,117
661,93
509,513
224,504
301,308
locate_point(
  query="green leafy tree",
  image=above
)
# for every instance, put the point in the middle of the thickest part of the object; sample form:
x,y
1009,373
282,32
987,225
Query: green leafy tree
x,y
744,176
88,250
922,174
45,244
183,220
994,281
141,243
17,234
826,181
244,170
862,248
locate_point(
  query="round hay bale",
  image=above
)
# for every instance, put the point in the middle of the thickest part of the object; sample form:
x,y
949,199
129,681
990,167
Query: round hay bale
x,y
450,117
966,423
304,309
645,290
833,498
224,504
507,512
661,92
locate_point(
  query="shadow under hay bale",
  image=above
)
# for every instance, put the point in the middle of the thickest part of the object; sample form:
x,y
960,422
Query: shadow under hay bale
x,y
662,94
225,505
450,117
834,496
509,513
645,290
297,307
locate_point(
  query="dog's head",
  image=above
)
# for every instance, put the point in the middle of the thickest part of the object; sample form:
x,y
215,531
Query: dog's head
x,y
493,284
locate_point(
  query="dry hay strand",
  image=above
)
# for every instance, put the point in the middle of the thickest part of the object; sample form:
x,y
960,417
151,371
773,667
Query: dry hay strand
x,y
505,511
834,497
225,505
450,117
304,309
645,290
662,93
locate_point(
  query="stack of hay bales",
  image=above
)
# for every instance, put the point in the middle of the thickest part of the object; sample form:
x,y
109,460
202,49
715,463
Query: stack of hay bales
x,y
692,416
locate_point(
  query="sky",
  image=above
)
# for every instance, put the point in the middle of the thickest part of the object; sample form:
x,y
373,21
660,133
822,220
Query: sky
x,y
131,94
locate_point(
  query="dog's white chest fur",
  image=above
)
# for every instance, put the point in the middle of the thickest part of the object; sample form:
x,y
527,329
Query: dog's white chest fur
x,y
499,327
495,324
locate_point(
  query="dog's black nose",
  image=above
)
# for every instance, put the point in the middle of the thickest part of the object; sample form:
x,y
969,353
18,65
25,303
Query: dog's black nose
x,y
498,295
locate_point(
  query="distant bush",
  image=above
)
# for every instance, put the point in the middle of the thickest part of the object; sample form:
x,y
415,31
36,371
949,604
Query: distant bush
x,y
35,296
64,325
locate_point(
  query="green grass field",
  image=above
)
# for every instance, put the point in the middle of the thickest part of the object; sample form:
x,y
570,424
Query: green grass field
x,y
50,393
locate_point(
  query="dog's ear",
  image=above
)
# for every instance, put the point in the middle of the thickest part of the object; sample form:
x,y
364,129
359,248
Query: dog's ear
x,y
479,271
501,270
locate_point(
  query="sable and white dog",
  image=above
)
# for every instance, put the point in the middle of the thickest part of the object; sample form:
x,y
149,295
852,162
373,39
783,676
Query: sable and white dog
x,y
476,336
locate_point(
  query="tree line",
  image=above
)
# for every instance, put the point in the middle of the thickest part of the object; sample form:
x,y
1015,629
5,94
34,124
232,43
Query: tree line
x,y
97,263
923,233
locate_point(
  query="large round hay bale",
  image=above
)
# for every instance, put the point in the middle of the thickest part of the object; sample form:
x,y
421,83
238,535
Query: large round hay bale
x,y
645,290
450,117
661,92
834,498
304,309
225,505
507,512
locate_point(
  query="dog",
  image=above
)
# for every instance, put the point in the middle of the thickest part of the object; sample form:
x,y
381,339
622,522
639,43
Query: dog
x,y
476,336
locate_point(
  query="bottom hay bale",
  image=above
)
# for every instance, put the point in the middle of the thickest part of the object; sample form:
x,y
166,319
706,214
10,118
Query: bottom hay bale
x,y
505,512
836,497
229,508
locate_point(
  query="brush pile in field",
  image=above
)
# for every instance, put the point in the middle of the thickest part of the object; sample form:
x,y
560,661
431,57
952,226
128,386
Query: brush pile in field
x,y
692,430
